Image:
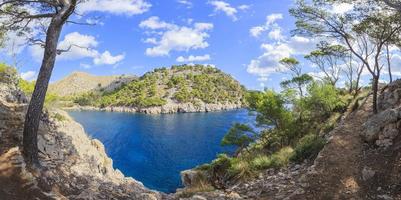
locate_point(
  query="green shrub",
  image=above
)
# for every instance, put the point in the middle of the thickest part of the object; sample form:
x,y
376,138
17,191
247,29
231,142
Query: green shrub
x,y
59,117
26,86
282,157
308,147
8,74
240,169
261,162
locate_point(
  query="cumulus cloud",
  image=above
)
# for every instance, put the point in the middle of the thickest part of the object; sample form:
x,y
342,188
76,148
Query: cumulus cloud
x,y
192,58
270,24
28,75
244,7
222,6
79,46
107,59
125,7
171,37
227,9
278,47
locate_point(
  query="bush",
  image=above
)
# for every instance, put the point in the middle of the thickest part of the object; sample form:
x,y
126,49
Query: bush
x,y
282,157
240,169
308,147
59,117
261,162
8,74
26,86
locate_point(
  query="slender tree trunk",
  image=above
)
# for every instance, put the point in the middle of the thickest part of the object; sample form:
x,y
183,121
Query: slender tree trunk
x,y
389,64
32,119
358,78
375,88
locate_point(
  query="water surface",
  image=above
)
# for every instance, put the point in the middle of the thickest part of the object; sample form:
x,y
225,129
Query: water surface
x,y
155,148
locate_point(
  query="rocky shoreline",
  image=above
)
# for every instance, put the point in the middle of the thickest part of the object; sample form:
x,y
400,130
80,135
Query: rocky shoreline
x,y
169,108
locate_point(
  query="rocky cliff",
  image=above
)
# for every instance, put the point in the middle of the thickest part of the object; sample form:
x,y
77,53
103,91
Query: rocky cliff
x,y
74,166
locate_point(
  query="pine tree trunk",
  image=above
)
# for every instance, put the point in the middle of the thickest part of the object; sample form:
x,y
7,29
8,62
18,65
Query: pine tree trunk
x,y
375,88
32,119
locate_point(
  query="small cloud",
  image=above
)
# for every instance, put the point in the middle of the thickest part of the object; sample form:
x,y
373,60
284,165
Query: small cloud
x,y
186,3
222,6
244,7
28,75
107,59
192,58
167,37
270,24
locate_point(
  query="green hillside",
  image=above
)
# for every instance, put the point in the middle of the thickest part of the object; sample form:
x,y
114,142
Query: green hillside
x,y
178,84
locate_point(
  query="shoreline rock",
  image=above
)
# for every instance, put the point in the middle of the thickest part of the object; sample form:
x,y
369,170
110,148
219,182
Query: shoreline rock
x,y
169,108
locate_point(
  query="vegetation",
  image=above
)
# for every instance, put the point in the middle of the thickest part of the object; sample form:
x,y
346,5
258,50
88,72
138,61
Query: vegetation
x,y
292,128
182,84
7,74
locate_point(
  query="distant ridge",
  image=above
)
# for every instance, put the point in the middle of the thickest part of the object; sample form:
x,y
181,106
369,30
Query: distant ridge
x,y
81,82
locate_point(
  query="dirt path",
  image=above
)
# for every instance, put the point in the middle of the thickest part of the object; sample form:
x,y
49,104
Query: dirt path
x,y
337,170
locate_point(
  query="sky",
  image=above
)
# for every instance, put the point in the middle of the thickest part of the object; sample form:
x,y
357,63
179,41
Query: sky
x,y
244,38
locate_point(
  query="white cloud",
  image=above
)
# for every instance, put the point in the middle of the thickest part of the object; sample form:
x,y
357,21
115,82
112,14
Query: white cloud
x,y
269,62
28,75
155,23
173,37
107,59
221,6
79,46
276,34
279,47
126,7
272,18
244,7
270,24
187,3
192,58
256,31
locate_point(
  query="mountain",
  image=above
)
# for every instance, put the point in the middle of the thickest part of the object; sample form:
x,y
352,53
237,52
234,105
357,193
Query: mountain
x,y
181,88
81,82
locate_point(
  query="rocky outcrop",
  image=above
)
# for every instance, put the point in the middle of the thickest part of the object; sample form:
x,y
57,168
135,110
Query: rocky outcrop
x,y
73,165
166,109
383,128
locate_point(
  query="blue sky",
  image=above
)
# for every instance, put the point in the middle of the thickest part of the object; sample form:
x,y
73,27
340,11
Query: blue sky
x,y
241,37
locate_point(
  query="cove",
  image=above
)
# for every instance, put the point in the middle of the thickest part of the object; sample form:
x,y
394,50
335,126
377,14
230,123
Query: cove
x,y
154,149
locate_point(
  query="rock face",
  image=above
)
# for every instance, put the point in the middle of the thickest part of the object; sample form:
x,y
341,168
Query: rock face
x,y
166,109
74,166
383,128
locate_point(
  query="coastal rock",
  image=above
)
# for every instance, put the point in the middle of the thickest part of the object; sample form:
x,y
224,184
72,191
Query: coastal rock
x,y
73,165
192,177
169,108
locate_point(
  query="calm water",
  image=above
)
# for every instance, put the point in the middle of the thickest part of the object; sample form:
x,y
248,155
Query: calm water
x,y
155,148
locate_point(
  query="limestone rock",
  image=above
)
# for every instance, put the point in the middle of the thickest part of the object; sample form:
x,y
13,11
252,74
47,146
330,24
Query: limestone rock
x,y
367,173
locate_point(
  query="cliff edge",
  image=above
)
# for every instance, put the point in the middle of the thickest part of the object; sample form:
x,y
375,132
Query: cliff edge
x,y
74,166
